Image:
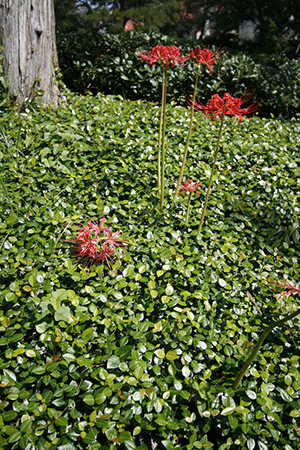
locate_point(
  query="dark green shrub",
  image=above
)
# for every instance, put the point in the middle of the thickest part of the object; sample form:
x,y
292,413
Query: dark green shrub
x,y
107,64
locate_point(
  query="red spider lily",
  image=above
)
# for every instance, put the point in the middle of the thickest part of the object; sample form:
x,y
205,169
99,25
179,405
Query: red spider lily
x,y
204,56
189,186
288,288
163,54
220,107
95,243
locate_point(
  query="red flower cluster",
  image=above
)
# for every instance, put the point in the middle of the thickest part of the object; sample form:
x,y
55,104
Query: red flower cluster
x,y
164,54
95,243
289,289
189,186
220,107
204,56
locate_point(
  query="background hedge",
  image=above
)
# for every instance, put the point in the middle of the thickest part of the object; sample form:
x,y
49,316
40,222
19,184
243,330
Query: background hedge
x,y
107,64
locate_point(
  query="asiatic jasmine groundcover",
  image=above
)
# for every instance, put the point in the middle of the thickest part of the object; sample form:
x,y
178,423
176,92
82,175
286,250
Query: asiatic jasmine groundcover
x,y
145,353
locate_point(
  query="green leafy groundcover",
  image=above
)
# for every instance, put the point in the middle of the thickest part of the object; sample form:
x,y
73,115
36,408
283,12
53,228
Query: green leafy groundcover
x,y
145,355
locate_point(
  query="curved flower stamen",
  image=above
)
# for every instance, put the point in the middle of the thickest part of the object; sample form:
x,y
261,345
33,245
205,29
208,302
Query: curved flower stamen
x,y
228,105
287,288
95,243
189,186
204,56
164,54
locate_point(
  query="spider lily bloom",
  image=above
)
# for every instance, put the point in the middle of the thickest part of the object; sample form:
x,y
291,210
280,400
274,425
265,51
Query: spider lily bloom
x,y
164,54
228,105
185,187
94,243
189,186
288,288
204,56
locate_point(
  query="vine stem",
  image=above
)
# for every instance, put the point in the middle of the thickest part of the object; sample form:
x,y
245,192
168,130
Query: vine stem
x,y
7,194
259,344
211,176
5,237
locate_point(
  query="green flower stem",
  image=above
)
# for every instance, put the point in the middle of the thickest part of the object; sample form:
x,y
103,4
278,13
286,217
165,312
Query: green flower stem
x,y
187,142
211,176
188,209
163,140
160,135
259,344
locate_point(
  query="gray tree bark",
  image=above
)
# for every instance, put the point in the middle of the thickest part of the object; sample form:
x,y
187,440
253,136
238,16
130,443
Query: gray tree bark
x,y
27,33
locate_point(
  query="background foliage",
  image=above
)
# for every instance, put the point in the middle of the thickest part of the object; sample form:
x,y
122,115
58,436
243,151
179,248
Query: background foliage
x,y
146,354
276,23
108,64
102,16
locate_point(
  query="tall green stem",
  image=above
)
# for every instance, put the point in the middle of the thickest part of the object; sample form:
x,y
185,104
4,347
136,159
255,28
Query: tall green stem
x,y
187,141
163,137
160,135
188,209
211,176
259,344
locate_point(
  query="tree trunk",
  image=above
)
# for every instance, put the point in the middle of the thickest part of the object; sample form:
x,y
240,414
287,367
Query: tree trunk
x,y
27,32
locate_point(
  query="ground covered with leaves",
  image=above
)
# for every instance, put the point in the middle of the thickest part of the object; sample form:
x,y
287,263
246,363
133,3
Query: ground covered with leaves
x,y
145,355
